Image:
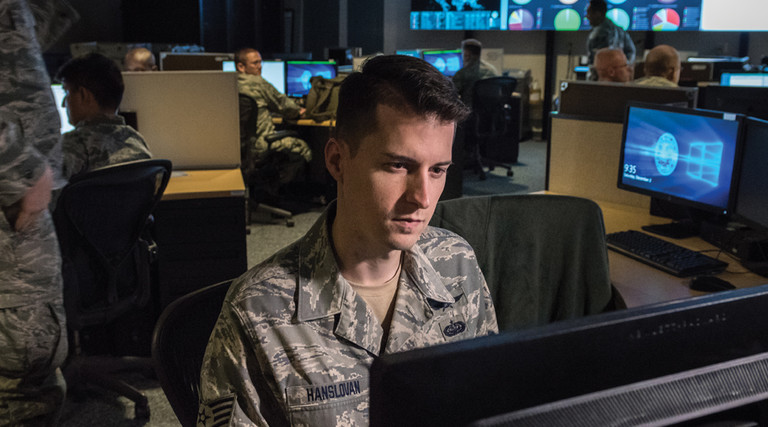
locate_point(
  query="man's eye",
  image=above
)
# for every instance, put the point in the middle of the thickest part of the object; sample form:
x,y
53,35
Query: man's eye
x,y
439,170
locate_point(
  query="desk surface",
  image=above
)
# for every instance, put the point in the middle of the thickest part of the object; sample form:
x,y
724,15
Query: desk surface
x,y
205,184
304,122
641,284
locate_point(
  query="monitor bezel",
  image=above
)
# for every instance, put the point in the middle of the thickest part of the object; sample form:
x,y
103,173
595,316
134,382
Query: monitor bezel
x,y
736,215
595,353
288,64
735,171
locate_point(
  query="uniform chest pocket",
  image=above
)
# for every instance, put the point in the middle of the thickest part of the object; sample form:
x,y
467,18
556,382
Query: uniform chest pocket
x,y
335,403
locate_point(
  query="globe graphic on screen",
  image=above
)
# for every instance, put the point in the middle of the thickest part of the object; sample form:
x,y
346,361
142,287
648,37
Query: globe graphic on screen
x,y
666,154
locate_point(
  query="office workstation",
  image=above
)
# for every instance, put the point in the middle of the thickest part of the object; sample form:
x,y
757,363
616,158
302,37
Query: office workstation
x,y
576,165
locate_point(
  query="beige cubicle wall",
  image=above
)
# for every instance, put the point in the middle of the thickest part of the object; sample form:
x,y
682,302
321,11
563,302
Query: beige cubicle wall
x,y
584,161
189,117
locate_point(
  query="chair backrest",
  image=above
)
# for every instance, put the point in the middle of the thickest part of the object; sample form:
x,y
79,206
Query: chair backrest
x,y
543,256
492,111
100,217
178,346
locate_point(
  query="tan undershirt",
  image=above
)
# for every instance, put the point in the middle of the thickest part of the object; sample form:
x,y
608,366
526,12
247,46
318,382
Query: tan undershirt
x,y
381,299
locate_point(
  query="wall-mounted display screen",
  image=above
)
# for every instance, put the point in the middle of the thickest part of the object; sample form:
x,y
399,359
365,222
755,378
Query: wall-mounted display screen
x,y
559,15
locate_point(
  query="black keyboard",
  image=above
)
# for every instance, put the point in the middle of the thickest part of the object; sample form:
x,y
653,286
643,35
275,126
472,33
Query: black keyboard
x,y
661,254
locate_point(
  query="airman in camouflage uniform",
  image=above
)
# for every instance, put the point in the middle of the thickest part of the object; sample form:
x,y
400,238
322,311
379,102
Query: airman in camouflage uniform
x,y
474,69
94,87
269,101
32,330
101,141
295,339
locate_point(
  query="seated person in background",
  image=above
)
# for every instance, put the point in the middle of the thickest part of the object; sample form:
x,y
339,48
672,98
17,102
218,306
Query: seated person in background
x,y
256,148
612,66
297,334
474,69
661,68
94,88
139,59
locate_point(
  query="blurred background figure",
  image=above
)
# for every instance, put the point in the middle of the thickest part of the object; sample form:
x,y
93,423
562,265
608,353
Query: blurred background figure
x,y
139,59
611,65
661,68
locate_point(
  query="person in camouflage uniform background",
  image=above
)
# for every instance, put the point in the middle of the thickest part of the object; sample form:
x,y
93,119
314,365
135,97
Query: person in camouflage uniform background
x,y
33,340
297,334
255,148
94,88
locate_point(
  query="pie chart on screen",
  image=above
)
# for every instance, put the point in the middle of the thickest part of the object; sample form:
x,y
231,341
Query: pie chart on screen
x,y
667,1
665,20
619,17
567,20
520,20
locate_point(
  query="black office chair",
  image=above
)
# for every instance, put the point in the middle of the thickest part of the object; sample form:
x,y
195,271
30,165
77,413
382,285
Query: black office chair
x,y
544,256
493,129
178,347
101,220
261,180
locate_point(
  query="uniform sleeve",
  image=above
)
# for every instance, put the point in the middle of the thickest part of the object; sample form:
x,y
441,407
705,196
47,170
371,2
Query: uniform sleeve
x,y
231,384
488,324
75,157
21,165
281,104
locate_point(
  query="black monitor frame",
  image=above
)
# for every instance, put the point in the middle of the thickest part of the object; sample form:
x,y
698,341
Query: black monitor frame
x,y
758,165
749,101
697,212
666,362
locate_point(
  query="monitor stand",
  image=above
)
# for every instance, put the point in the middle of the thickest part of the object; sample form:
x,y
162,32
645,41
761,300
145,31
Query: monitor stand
x,y
676,230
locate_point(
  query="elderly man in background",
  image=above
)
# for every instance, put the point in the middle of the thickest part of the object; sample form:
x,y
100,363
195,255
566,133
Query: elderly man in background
x,y
612,66
139,59
662,67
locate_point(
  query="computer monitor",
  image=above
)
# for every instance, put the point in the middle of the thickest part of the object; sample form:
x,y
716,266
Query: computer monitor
x,y
228,66
750,101
684,156
416,53
652,365
607,101
744,79
58,97
448,62
175,61
752,194
274,72
298,73
752,199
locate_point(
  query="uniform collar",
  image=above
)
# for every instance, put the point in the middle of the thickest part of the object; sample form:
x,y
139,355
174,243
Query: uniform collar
x,y
102,119
323,292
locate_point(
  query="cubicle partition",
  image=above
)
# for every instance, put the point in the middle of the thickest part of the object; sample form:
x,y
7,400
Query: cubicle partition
x,y
192,118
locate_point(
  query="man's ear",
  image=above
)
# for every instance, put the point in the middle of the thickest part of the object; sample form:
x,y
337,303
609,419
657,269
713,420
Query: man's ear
x,y
333,155
240,67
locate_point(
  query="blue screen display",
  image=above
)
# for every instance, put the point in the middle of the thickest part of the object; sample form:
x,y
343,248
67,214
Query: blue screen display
x,y
688,155
298,73
447,62
559,15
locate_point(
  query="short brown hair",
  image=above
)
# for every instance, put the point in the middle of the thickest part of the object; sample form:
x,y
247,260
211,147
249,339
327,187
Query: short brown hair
x,y
399,81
